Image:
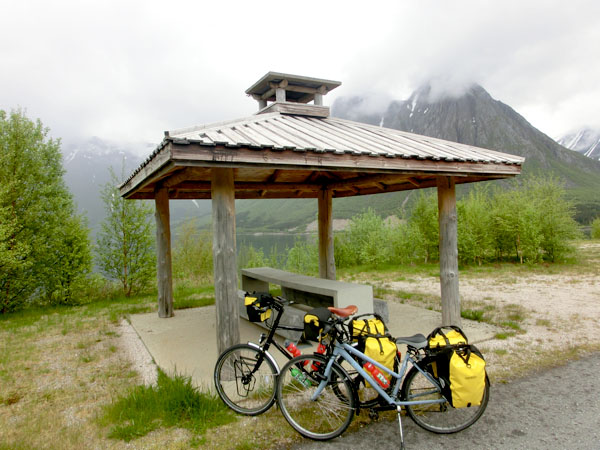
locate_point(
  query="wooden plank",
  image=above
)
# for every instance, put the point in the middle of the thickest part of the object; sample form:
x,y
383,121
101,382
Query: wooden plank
x,y
146,174
224,258
163,253
298,109
250,186
448,251
325,225
325,161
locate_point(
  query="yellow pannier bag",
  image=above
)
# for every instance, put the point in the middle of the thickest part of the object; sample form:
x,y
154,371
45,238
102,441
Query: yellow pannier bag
x,y
439,338
377,344
467,377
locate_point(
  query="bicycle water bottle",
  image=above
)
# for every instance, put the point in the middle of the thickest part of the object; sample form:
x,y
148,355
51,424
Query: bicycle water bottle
x,y
291,347
298,375
320,351
379,377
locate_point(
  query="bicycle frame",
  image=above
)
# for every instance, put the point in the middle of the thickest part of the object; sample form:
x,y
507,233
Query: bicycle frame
x,y
265,340
346,351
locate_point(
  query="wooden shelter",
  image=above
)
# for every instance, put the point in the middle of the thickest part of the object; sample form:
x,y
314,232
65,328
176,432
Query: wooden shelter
x,y
292,148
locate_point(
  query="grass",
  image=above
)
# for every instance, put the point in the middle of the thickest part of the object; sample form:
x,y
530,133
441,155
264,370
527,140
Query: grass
x,y
61,368
173,402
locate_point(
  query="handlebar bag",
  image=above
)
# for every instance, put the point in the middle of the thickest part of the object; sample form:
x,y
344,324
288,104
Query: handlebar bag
x,y
258,307
314,322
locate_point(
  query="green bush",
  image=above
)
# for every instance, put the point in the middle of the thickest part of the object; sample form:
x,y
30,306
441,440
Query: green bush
x,y
595,233
192,254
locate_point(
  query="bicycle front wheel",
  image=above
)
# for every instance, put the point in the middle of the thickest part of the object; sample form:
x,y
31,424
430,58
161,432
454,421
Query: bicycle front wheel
x,y
324,418
246,379
438,417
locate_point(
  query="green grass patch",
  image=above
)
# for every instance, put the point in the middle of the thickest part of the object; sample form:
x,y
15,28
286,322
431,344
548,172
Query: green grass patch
x,y
543,323
473,314
173,402
512,324
504,335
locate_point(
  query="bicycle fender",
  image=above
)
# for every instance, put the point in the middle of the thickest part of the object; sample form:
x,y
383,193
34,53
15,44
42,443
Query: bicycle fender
x,y
267,355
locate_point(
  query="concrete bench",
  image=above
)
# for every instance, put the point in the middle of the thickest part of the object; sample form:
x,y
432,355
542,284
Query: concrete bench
x,y
308,292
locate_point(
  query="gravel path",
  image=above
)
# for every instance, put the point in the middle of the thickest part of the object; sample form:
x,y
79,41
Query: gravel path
x,y
556,409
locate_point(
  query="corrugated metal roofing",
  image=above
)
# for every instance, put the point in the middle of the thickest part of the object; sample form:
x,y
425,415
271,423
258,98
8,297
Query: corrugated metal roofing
x,y
277,131
287,132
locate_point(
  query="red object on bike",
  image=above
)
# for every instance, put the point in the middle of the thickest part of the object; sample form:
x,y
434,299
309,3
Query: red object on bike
x,y
379,377
320,350
294,351
291,347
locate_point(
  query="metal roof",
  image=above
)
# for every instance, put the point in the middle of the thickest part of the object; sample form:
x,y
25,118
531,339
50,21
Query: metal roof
x,y
308,134
287,142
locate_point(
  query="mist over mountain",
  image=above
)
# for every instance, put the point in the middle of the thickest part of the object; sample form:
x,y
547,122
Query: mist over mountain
x,y
475,118
87,165
585,141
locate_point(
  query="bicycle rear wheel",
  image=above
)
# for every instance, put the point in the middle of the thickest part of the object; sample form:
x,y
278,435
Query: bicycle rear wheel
x,y
246,379
330,414
439,417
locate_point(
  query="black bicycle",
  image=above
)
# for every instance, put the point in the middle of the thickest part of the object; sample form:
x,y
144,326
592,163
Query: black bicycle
x,y
246,374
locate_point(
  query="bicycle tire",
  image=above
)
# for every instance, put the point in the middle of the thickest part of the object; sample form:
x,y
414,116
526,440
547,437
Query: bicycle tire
x,y
439,418
244,387
329,415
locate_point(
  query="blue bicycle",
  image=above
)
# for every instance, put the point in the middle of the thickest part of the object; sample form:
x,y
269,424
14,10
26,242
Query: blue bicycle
x,y
319,399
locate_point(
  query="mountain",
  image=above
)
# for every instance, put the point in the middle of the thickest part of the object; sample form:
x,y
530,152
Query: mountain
x,y
87,165
475,118
585,141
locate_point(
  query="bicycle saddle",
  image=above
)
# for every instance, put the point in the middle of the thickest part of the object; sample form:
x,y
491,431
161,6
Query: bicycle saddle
x,y
417,341
343,312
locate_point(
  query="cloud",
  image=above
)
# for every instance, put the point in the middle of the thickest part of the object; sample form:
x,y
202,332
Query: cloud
x,y
132,69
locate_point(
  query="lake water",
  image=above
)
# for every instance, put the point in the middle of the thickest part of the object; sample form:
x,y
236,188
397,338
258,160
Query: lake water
x,y
270,242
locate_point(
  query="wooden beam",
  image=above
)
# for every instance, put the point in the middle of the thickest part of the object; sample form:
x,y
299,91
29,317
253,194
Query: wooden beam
x,y
224,258
163,253
448,251
251,186
325,221
243,157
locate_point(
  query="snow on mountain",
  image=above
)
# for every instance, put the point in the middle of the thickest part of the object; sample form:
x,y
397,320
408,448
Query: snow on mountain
x,y
585,141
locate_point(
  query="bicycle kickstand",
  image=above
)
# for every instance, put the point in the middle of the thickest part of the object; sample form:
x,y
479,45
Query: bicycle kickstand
x,y
399,411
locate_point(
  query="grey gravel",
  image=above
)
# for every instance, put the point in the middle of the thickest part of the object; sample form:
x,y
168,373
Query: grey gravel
x,y
555,409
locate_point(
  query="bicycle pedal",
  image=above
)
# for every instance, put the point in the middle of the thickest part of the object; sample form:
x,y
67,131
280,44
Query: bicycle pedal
x,y
373,415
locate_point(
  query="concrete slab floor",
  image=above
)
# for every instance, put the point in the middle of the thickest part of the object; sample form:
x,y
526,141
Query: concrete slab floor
x,y
186,343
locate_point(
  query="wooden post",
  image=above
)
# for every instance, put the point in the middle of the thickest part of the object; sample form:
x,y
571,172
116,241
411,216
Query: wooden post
x,y
280,94
163,253
448,251
224,258
326,256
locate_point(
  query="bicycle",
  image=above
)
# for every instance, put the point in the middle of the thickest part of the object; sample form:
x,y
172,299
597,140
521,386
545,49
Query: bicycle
x,y
321,402
245,375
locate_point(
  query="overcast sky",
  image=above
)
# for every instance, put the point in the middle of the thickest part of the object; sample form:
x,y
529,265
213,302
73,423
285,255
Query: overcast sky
x,y
128,70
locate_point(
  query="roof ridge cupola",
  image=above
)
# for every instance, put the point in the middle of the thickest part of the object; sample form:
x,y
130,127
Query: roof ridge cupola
x,y
291,94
